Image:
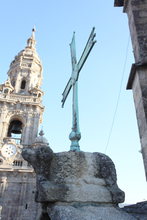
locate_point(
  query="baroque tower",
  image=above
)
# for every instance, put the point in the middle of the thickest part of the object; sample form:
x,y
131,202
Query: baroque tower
x,y
20,115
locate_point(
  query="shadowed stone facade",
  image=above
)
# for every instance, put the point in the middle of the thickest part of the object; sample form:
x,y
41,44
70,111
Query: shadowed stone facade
x,y
20,115
137,17
138,210
17,195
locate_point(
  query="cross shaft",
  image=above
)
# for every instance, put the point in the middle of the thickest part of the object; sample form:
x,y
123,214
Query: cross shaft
x,y
75,134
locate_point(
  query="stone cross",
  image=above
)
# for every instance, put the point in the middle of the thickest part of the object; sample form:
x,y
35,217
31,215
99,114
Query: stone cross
x,y
75,134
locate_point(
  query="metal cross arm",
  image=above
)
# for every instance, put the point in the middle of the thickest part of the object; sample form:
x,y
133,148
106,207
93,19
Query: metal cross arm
x,y
76,67
90,43
66,91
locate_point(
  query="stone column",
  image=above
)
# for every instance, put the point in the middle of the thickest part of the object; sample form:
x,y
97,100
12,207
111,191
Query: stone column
x,y
3,122
137,17
28,131
35,126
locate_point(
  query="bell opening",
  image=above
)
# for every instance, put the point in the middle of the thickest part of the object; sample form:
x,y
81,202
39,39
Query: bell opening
x,y
15,129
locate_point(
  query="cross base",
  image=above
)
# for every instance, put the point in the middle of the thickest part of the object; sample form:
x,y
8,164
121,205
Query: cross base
x,y
75,147
75,137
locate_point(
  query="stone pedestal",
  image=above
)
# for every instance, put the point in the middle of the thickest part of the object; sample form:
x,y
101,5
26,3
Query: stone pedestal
x,y
75,185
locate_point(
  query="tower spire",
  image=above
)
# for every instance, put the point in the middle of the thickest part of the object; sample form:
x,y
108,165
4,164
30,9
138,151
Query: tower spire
x,y
31,42
33,32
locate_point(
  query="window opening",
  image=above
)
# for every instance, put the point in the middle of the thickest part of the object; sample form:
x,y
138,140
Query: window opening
x,y
23,84
17,163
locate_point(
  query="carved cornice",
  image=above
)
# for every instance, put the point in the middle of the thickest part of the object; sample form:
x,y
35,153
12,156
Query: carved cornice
x,y
13,98
133,71
119,3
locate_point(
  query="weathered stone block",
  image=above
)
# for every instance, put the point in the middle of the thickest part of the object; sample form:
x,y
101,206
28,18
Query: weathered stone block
x,y
62,212
75,185
74,176
138,210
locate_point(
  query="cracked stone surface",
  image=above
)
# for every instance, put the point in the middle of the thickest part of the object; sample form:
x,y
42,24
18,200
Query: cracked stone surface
x,y
87,213
76,185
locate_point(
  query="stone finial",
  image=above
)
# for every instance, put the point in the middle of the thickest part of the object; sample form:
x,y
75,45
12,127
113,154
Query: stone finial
x,y
41,133
41,140
33,32
6,87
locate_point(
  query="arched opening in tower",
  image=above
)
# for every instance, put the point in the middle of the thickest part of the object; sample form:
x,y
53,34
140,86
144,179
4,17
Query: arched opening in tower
x,y
15,130
23,84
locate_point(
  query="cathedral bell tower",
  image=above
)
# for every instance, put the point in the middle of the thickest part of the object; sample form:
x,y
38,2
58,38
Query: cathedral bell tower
x,y
20,115
20,102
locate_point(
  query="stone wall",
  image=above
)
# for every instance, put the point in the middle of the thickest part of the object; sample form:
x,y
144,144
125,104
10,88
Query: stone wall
x,y
137,17
17,190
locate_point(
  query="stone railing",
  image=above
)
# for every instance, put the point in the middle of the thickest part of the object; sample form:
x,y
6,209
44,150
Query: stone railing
x,y
19,98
